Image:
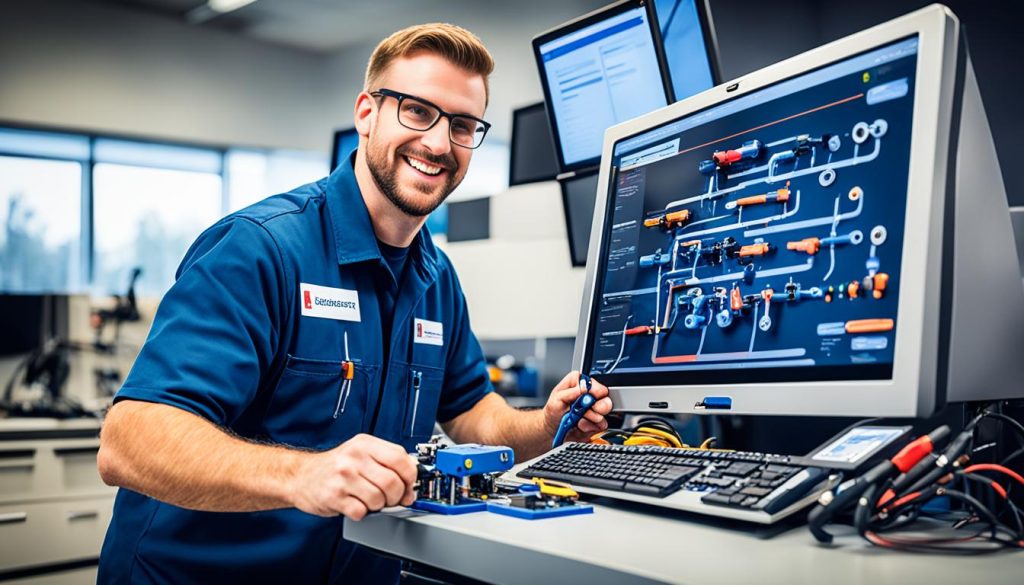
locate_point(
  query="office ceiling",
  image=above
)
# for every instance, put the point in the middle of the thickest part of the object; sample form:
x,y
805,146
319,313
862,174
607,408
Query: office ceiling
x,y
327,26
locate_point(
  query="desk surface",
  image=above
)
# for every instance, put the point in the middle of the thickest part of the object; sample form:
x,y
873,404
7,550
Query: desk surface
x,y
629,544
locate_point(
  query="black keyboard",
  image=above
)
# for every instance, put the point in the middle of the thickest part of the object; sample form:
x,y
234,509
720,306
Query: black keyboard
x,y
742,480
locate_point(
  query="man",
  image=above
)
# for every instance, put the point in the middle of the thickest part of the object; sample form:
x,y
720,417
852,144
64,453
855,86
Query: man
x,y
308,343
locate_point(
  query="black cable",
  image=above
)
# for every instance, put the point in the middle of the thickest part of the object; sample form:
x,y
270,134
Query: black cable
x,y
1012,456
865,508
985,481
1019,428
977,505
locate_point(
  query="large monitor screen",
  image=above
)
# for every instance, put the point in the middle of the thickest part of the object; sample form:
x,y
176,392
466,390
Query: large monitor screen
x,y
533,152
760,240
598,71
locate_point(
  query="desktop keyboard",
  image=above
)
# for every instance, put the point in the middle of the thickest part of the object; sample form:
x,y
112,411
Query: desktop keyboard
x,y
746,485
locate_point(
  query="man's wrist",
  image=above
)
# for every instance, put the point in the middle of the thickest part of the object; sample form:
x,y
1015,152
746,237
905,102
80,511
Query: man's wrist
x,y
284,483
549,423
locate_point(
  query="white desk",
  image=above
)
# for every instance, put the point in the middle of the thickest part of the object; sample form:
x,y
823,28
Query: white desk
x,y
626,544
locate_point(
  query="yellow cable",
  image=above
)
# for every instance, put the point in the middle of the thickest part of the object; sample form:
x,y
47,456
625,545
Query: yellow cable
x,y
672,439
638,439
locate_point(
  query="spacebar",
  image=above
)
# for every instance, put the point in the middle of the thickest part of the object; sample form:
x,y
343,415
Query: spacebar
x,y
597,482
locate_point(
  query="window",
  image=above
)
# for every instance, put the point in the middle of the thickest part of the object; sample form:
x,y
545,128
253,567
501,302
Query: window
x,y
150,202
41,219
255,175
148,218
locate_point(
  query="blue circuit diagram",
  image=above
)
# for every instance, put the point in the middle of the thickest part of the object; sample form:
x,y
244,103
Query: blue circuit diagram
x,y
769,238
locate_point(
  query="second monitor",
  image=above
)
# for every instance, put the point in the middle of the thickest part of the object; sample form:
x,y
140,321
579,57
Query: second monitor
x,y
609,66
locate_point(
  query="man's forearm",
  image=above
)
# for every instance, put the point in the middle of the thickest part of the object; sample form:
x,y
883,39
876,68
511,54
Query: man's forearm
x,y
180,458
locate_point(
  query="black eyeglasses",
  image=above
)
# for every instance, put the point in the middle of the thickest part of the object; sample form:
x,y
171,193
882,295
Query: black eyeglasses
x,y
418,114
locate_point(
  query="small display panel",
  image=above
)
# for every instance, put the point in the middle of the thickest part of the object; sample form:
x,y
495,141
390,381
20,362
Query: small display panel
x,y
857,445
760,240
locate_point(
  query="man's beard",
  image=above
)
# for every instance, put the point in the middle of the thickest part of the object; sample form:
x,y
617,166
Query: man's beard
x,y
385,174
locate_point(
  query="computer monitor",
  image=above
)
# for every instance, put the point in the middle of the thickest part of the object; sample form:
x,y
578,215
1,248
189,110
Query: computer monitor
x,y
600,69
345,141
691,47
826,236
29,320
533,152
578,195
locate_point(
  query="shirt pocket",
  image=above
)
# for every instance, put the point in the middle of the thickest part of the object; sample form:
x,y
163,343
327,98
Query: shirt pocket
x,y
315,405
424,385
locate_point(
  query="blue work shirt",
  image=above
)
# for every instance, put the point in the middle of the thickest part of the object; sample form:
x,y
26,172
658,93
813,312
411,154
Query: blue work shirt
x,y
267,305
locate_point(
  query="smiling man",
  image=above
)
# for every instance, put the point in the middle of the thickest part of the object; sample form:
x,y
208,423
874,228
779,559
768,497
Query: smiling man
x,y
308,343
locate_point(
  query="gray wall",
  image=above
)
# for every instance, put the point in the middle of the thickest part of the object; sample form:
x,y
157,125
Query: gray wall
x,y
89,66
754,34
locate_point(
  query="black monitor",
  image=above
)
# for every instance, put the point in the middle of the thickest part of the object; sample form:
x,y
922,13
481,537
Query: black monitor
x,y
27,321
533,151
345,141
578,195
600,69
691,49
610,66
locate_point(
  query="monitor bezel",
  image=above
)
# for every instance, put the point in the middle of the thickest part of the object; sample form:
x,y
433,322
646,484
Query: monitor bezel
x,y
707,30
912,389
563,186
579,23
516,113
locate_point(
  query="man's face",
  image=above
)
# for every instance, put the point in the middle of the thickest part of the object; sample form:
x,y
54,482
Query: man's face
x,y
416,170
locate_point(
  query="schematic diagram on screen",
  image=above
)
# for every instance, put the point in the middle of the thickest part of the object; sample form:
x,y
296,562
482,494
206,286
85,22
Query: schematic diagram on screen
x,y
774,245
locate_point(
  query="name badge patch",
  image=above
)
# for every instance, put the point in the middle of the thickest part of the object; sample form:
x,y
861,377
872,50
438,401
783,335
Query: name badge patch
x,y
329,303
429,332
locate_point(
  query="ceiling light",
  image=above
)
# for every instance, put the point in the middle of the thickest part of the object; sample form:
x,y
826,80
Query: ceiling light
x,y
223,6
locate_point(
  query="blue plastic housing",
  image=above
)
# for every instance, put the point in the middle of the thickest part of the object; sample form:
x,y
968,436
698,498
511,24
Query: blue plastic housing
x,y
465,460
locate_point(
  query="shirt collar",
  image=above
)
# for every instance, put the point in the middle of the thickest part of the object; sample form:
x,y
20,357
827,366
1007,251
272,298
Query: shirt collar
x,y
354,238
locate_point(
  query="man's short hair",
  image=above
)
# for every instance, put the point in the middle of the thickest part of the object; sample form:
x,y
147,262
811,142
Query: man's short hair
x,y
454,43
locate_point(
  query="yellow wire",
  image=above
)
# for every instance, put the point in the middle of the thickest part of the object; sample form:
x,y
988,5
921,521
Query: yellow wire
x,y
672,439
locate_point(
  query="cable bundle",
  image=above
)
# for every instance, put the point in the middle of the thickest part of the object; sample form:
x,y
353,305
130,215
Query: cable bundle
x,y
900,491
648,431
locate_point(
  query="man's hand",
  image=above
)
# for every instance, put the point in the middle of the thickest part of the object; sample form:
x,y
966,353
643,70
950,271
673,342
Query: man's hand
x,y
562,397
362,475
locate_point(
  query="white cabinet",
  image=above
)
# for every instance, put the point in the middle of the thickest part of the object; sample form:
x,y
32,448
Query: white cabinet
x,y
54,508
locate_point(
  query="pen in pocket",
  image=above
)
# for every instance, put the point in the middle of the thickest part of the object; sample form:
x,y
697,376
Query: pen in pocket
x,y
348,371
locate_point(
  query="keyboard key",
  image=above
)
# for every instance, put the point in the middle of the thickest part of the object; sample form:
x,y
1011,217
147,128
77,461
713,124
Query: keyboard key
x,y
717,498
755,491
742,469
719,481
